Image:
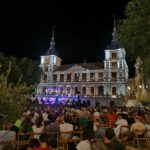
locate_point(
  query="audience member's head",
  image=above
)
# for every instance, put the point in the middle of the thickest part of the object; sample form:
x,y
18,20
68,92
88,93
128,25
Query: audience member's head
x,y
109,133
43,138
52,142
67,119
103,119
88,132
137,118
97,144
53,118
34,143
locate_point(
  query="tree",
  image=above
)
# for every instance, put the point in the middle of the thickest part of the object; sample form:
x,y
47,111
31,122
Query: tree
x,y
16,78
12,96
134,32
27,68
30,70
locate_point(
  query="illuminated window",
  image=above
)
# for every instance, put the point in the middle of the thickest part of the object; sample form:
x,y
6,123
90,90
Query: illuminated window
x,y
55,78
46,61
92,90
61,90
100,76
114,64
114,91
84,76
114,55
84,90
100,90
68,77
68,90
76,91
76,77
92,76
114,76
61,77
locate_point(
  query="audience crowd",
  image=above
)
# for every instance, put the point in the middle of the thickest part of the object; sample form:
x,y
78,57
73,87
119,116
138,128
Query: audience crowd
x,y
98,127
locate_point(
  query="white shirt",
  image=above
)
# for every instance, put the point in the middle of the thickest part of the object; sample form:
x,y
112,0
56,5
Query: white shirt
x,y
37,130
6,135
66,127
119,123
83,145
148,127
45,116
96,114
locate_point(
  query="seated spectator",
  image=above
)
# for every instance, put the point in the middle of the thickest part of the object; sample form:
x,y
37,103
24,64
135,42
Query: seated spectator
x,y
100,133
53,128
6,135
38,128
138,125
52,143
130,118
45,115
120,122
66,127
96,114
26,126
111,116
17,124
43,142
147,126
89,142
112,143
34,143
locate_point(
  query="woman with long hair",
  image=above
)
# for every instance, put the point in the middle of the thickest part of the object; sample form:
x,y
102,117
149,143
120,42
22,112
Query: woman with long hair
x,y
89,142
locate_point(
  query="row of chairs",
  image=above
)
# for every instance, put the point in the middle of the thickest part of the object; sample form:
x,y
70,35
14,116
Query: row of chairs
x,y
23,139
141,138
75,137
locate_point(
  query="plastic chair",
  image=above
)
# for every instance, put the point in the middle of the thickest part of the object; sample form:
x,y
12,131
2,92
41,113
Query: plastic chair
x,y
23,139
126,133
139,136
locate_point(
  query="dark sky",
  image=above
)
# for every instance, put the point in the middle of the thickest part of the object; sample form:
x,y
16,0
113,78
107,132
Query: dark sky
x,y
83,29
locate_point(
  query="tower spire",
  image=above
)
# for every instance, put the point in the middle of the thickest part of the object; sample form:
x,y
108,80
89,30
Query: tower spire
x,y
114,34
114,42
52,42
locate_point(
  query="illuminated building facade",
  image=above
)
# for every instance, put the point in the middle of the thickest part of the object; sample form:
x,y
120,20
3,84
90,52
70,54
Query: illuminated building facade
x,y
97,79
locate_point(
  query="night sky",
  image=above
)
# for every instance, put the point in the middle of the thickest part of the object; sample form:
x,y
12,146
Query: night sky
x,y
83,29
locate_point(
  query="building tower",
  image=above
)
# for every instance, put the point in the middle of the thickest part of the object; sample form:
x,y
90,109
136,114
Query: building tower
x,y
49,62
115,68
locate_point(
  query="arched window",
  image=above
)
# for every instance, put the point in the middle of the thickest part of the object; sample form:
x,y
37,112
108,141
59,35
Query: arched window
x,y
68,90
100,90
114,91
61,90
76,90
84,90
92,90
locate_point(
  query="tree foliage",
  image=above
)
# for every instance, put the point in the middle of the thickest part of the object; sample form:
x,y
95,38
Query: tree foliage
x,y
12,95
25,68
16,78
134,31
